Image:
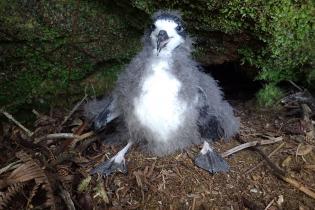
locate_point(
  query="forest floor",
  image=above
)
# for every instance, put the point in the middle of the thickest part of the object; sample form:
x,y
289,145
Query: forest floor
x,y
39,171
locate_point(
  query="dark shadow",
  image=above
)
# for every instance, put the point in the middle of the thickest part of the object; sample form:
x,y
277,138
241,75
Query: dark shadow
x,y
235,83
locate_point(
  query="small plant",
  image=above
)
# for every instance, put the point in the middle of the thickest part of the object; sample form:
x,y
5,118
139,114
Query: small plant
x,y
269,95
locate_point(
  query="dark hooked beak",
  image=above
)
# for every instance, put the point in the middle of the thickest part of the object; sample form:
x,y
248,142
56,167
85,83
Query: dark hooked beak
x,y
162,40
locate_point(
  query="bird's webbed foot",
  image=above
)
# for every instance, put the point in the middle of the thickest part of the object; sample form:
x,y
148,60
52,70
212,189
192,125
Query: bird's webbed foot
x,y
115,164
211,161
109,167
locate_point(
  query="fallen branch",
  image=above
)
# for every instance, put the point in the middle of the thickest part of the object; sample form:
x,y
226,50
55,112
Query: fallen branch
x,y
263,161
64,136
73,110
10,166
299,186
273,166
295,85
250,144
82,137
278,172
56,136
86,135
10,117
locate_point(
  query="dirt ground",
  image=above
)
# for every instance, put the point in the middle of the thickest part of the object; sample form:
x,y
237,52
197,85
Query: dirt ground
x,y
53,173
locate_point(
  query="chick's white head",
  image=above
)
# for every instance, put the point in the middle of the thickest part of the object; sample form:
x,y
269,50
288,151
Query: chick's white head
x,y
167,33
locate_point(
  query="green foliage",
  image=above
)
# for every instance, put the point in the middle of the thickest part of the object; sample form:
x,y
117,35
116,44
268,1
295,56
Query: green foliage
x,y
286,33
269,95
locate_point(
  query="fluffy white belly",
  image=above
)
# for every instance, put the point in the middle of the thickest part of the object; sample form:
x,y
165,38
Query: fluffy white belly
x,y
158,107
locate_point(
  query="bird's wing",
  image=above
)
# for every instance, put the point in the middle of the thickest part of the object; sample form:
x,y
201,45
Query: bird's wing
x,y
108,113
208,123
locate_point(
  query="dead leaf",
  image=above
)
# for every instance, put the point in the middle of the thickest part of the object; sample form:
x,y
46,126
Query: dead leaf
x,y
101,192
286,162
304,149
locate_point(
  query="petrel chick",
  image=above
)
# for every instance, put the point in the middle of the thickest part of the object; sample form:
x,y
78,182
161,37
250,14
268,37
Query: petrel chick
x,y
164,102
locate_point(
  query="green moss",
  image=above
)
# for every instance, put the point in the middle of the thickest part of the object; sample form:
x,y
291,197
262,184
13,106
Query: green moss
x,y
51,52
102,81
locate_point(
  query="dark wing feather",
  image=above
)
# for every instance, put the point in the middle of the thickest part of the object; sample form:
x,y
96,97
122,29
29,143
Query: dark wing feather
x,y
208,124
106,115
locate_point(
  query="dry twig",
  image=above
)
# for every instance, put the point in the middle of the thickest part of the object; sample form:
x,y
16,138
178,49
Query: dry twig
x,y
269,204
250,144
295,85
10,117
81,137
299,186
10,166
278,172
73,110
262,162
56,136
64,136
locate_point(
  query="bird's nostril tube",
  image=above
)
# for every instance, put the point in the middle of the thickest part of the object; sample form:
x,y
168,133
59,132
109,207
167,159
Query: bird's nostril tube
x,y
162,40
162,36
162,33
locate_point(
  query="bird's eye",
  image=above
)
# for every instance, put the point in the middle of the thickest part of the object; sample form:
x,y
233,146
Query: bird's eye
x,y
152,27
179,28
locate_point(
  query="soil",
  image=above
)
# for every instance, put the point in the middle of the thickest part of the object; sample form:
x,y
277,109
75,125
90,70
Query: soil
x,y
171,182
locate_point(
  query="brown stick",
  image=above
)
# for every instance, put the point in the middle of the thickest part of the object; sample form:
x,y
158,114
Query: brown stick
x,y
56,136
86,135
263,161
10,117
81,137
299,186
278,172
269,204
274,167
295,85
10,166
73,110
